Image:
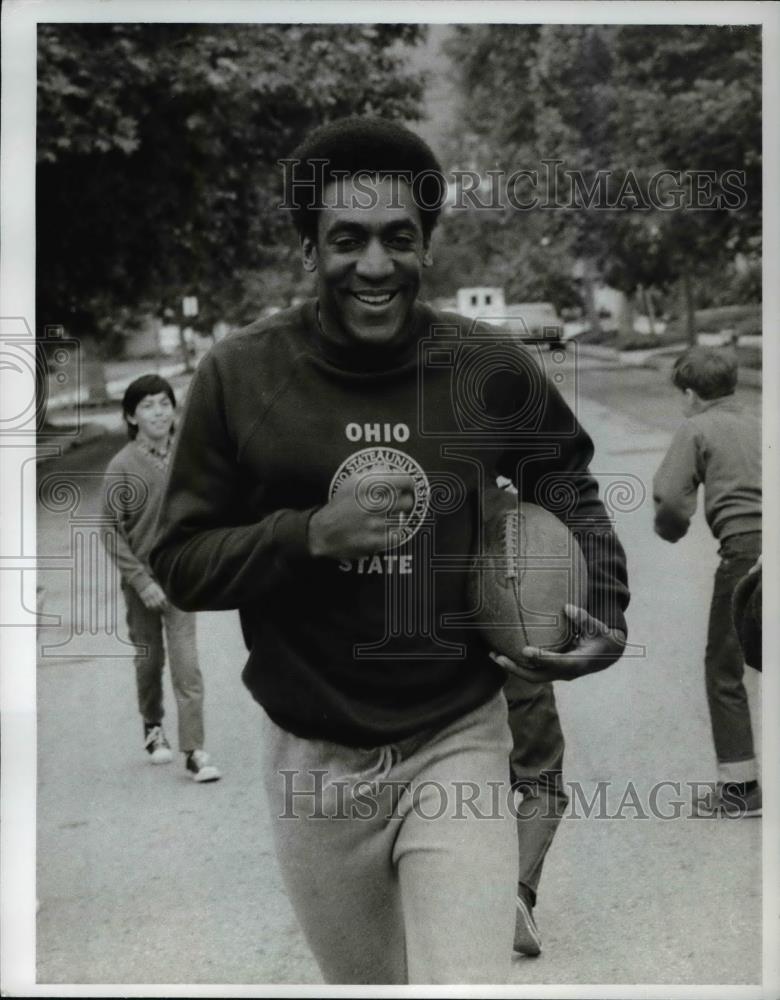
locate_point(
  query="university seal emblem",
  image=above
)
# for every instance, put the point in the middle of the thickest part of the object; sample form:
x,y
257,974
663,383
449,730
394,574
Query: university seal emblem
x,y
373,474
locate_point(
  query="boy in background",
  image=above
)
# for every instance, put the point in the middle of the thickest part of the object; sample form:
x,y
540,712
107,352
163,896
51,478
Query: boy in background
x,y
132,496
718,446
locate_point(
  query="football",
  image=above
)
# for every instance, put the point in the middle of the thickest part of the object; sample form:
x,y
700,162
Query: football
x,y
526,567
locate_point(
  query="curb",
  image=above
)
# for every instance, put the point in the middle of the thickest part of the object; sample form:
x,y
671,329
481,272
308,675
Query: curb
x,y
628,358
595,351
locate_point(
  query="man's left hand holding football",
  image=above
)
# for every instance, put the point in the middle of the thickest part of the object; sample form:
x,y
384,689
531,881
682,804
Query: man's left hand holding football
x,y
596,647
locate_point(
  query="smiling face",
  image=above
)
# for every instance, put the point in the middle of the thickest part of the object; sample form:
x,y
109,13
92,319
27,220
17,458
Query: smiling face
x,y
368,259
153,417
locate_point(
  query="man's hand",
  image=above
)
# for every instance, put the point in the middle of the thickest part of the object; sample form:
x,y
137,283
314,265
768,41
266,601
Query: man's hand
x,y
596,648
154,597
349,526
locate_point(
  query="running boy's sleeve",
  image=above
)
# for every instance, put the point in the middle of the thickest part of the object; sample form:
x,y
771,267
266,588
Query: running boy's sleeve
x,y
209,554
551,468
675,485
131,569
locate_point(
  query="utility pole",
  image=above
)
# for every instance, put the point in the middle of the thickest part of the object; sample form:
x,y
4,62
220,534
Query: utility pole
x,y
189,309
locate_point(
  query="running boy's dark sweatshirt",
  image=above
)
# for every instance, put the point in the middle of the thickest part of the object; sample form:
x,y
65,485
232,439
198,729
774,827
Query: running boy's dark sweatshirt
x,y
720,446
369,651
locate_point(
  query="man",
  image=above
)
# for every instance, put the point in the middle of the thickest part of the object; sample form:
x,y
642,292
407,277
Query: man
x,y
327,484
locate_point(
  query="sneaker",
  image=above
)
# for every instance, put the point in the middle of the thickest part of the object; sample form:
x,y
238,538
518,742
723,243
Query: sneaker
x,y
731,800
198,763
156,745
527,938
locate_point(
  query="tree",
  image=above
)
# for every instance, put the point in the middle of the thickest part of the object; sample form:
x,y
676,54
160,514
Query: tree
x,y
529,258
157,158
542,116
690,102
626,101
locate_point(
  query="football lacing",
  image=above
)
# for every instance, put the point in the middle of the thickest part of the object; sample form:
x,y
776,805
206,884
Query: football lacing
x,y
511,542
512,552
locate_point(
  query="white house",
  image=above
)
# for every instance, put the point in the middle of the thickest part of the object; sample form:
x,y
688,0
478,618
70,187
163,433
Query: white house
x,y
481,303
488,304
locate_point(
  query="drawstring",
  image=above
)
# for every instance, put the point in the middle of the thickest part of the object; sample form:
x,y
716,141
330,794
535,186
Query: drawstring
x,y
392,757
388,756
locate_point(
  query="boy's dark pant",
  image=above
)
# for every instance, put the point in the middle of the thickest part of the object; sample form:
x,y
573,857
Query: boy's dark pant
x,y
724,664
536,769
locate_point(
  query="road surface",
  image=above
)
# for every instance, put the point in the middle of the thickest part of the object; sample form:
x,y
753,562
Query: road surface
x,y
146,877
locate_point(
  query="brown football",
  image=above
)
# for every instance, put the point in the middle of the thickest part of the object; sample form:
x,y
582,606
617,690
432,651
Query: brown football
x,y
526,567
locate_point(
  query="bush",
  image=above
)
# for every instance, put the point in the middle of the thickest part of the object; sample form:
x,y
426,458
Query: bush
x,y
749,357
646,341
724,317
601,338
750,326
720,318
642,341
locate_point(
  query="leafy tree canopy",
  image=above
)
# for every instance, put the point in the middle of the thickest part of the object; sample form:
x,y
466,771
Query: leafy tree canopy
x,y
631,100
157,157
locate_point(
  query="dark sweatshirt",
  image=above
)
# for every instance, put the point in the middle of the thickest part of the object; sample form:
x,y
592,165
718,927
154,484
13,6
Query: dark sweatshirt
x,y
366,652
719,448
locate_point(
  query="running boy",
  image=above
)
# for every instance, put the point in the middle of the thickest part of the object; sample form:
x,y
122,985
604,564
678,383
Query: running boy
x,y
133,490
718,446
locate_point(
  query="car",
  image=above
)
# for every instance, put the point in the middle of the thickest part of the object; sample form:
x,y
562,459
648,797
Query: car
x,y
534,323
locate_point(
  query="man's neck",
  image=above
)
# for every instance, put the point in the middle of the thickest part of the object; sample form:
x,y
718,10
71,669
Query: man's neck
x,y
333,333
354,355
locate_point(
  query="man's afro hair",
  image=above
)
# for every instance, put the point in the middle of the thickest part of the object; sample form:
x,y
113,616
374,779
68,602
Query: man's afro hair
x,y
361,146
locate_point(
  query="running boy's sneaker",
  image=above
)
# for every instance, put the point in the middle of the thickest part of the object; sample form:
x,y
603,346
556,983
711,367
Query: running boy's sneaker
x,y
732,800
528,941
156,745
199,765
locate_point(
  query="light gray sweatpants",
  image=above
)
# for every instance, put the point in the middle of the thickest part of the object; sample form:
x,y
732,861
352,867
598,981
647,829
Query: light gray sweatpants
x,y
400,861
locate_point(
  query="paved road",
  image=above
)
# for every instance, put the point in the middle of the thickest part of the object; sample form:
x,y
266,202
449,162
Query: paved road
x,y
144,876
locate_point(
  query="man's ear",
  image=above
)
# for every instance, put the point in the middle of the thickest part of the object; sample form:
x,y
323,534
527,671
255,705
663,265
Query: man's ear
x,y
309,249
